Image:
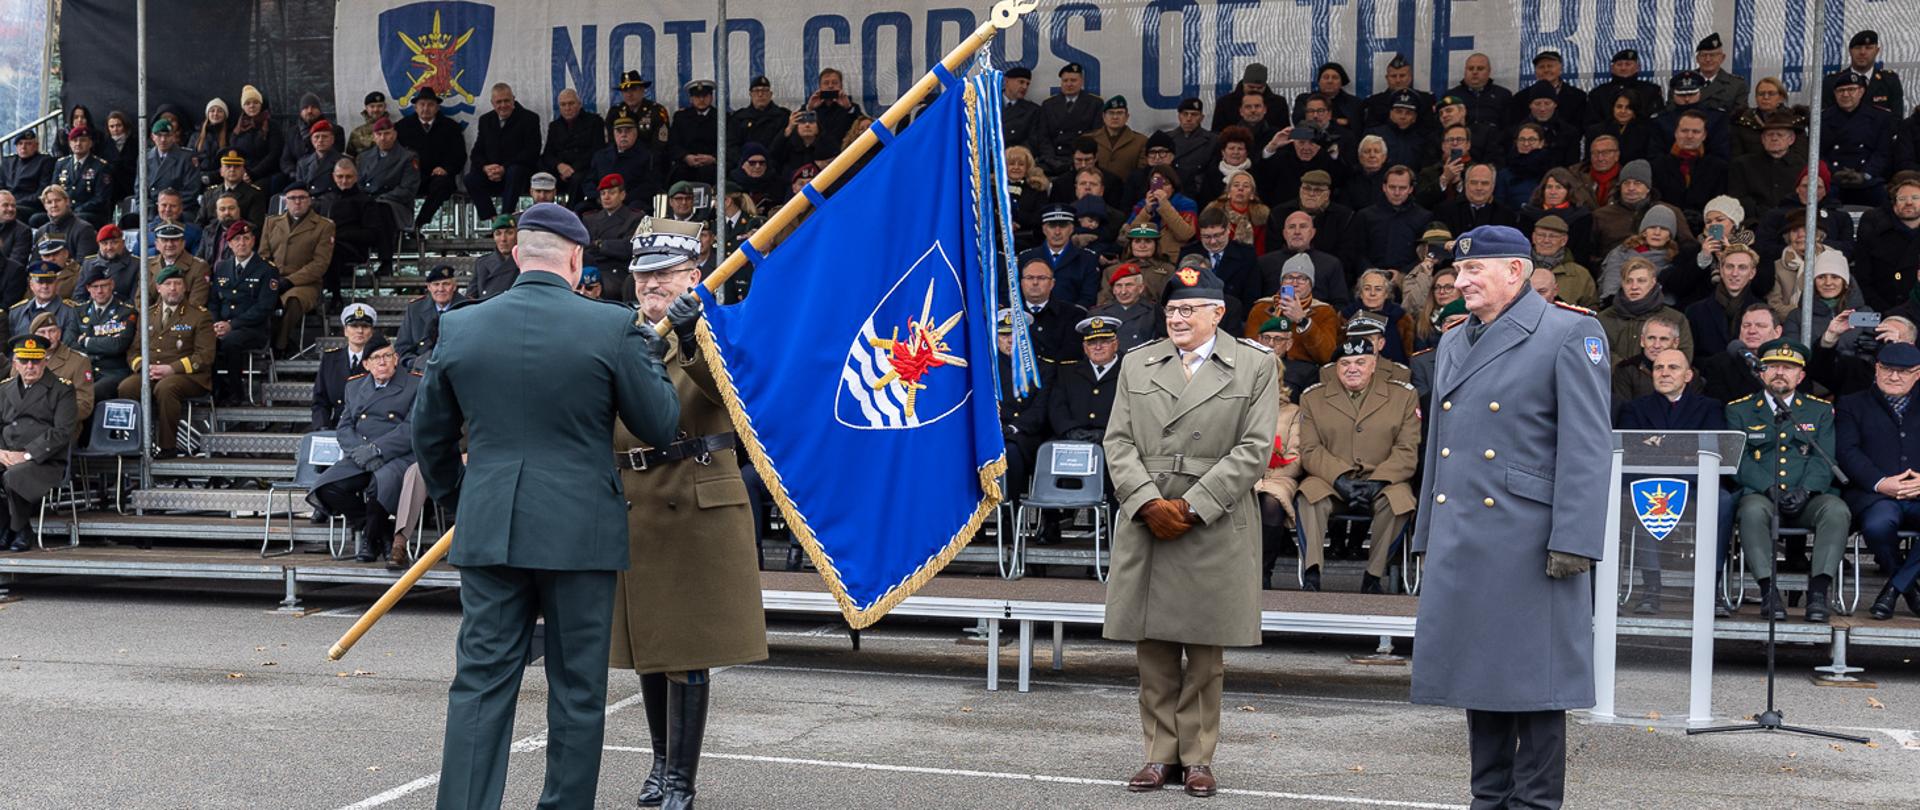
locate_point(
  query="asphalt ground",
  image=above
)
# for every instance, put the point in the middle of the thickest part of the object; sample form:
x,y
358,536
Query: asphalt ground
x,y
174,695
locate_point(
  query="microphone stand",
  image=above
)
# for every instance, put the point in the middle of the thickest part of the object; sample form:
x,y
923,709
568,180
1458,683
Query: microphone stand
x,y
1772,719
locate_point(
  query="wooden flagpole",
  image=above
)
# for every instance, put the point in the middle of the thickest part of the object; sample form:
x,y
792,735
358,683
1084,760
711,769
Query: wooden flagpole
x,y
1005,14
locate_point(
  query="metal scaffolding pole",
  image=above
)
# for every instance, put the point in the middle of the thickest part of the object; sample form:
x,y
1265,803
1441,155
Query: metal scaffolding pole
x,y
146,280
1816,35
721,100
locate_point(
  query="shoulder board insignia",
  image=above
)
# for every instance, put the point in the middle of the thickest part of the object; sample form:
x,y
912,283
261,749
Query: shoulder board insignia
x,y
330,351
1068,363
1428,350
356,376
1257,345
1572,308
67,382
7,380
19,304
1817,399
1309,389
1047,360
415,373
1402,384
1743,399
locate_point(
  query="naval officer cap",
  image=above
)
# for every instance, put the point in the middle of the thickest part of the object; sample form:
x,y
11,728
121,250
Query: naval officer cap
x,y
1099,327
555,220
661,244
1782,350
1492,242
357,314
1060,212
1003,322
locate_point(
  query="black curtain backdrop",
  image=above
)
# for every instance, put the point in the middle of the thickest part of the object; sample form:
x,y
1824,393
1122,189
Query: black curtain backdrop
x,y
197,50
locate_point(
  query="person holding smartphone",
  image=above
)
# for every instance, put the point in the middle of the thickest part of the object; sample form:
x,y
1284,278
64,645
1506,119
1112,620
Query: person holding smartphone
x,y
833,106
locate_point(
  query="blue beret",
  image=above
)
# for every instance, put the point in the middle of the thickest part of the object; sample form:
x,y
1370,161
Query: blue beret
x,y
1492,242
555,220
589,276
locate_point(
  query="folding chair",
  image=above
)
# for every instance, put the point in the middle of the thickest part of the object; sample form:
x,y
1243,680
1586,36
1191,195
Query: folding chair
x,y
317,451
115,434
1355,516
1067,475
73,504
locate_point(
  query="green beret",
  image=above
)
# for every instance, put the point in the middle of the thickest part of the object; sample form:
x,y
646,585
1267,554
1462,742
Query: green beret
x,y
1278,323
171,271
1457,307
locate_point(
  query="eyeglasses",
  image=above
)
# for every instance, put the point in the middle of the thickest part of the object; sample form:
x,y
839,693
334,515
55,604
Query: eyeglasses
x,y
756,162
1273,339
1036,278
1186,310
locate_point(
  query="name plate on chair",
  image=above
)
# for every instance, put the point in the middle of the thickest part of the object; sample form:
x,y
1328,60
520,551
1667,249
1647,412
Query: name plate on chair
x,y
117,416
324,451
1074,458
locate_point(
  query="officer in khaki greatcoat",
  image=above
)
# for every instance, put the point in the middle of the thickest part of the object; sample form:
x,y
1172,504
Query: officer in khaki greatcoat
x,y
691,601
1191,431
1359,446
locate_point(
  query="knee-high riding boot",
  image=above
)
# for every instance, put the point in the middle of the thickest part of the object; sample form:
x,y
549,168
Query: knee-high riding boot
x,y
653,696
686,728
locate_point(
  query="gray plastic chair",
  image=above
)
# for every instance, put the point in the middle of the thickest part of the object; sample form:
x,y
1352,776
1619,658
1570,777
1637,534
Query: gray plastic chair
x,y
1067,475
318,451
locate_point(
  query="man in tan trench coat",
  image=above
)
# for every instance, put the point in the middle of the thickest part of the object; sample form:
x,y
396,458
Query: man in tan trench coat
x,y
691,600
1359,441
1191,431
300,243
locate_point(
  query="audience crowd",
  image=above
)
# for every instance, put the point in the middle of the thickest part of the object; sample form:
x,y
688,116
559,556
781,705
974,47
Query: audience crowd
x,y
1676,212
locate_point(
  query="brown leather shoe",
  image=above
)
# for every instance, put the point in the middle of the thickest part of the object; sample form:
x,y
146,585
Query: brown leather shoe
x,y
1152,777
397,559
1200,781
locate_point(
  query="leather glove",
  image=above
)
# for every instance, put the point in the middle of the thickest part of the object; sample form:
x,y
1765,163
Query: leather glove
x,y
656,345
1167,519
1357,491
1561,565
1792,502
684,314
363,455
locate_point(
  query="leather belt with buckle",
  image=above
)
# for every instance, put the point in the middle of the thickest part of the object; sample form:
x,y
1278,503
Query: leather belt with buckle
x,y
698,448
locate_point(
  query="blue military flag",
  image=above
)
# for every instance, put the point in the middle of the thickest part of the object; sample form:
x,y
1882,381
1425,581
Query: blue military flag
x,y
859,372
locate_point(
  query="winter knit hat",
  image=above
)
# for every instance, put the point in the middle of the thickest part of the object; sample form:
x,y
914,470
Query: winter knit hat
x,y
1659,216
1637,170
250,93
1729,206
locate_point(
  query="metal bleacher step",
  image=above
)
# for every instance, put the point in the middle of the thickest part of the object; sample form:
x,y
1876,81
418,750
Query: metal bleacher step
x,y
231,501
247,530
389,303
296,368
226,467
288,391
269,415
263,444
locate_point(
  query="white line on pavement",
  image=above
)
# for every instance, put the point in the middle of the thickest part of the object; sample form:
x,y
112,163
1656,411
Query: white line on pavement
x,y
531,742
1061,683
1037,777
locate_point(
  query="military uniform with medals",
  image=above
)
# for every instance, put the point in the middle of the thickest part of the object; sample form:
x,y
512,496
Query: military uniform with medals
x,y
1786,473
180,337
649,116
106,332
1082,399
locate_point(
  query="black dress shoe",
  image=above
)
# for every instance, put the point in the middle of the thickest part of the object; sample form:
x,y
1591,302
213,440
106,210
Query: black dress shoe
x,y
1912,595
17,542
1310,581
1371,584
1883,604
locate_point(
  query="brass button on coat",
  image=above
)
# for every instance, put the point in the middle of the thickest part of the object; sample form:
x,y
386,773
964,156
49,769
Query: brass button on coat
x,y
1440,498
1493,406
1490,454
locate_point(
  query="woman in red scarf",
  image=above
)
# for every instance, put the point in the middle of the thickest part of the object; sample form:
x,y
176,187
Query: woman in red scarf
x,y
1246,214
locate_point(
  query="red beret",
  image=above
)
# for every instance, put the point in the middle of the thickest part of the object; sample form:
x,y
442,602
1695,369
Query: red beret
x,y
79,132
107,231
239,228
1826,176
1123,271
612,181
382,123
320,125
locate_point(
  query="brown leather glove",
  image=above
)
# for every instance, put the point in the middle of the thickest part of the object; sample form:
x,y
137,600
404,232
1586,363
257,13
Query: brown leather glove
x,y
1167,519
1561,565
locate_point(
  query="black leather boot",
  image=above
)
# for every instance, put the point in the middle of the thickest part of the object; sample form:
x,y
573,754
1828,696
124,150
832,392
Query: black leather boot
x,y
1817,611
1912,595
1770,607
653,696
1883,604
363,548
686,728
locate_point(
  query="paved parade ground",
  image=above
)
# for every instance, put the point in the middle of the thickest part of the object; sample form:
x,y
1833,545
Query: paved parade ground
x,y
171,695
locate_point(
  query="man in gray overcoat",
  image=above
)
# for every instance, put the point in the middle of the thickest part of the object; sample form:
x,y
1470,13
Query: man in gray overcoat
x,y
1511,517
1191,431
376,446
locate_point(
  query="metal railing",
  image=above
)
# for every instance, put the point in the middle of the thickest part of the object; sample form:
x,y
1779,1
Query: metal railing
x,y
35,123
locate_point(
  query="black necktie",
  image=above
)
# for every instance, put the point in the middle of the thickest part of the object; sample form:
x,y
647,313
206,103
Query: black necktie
x,y
1475,331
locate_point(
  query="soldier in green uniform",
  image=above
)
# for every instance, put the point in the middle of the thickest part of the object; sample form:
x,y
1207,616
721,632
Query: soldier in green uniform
x,y
687,605
543,521
1787,472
